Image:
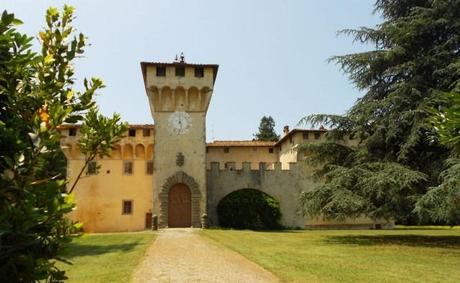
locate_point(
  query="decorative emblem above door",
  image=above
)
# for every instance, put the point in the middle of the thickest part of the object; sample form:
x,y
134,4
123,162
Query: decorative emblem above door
x,y
180,159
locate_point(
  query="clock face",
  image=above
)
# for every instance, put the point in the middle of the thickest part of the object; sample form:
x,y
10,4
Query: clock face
x,y
179,122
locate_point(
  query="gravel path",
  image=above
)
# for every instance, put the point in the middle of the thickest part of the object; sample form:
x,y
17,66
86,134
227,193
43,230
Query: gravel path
x,y
181,255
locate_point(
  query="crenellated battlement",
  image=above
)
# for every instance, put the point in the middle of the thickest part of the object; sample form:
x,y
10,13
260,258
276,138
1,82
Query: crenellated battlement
x,y
231,166
283,183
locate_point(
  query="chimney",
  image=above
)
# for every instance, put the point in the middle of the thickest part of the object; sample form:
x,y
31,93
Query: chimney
x,y
286,130
321,128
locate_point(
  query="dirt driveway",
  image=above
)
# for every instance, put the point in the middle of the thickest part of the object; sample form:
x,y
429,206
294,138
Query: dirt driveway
x,y
182,255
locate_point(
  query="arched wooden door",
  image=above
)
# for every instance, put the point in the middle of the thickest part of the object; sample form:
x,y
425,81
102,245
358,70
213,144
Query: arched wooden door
x,y
179,206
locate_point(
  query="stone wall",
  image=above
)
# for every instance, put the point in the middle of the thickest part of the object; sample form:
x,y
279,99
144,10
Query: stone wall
x,y
283,185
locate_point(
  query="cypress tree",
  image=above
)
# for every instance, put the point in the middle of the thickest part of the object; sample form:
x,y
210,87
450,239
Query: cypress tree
x,y
267,130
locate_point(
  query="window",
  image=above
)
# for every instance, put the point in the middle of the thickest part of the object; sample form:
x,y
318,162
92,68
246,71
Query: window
x,y
128,168
149,167
317,136
180,71
127,207
270,150
132,132
199,72
146,132
92,168
226,150
72,132
161,71
305,135
290,140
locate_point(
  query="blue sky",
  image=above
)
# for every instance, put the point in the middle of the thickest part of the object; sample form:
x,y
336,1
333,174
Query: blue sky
x,y
271,54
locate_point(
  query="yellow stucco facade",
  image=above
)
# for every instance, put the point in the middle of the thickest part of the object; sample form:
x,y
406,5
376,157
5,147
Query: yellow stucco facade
x,y
99,197
169,170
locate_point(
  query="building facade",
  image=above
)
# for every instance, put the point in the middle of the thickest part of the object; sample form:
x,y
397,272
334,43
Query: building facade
x,y
169,170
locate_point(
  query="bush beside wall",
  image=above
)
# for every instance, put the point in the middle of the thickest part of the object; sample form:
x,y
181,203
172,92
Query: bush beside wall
x,y
249,209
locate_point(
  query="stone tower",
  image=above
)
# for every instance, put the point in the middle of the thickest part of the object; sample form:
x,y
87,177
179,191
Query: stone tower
x,y
179,96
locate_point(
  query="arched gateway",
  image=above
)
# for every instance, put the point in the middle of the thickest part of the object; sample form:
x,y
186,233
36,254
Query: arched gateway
x,y
180,202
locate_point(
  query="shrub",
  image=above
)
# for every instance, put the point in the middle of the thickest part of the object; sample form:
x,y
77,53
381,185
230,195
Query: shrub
x,y
37,96
249,209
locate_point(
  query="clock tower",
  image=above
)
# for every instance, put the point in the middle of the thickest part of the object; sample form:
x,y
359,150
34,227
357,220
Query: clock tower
x,y
179,94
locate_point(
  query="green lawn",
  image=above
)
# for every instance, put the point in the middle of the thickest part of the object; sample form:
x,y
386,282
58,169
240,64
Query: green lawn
x,y
400,255
105,257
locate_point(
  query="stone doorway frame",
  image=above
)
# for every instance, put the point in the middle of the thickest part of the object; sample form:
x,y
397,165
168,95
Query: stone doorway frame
x,y
180,177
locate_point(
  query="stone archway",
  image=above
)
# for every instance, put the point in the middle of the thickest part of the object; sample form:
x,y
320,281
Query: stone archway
x,y
180,177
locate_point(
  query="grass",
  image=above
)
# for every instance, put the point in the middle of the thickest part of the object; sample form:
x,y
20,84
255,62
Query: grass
x,y
400,255
105,257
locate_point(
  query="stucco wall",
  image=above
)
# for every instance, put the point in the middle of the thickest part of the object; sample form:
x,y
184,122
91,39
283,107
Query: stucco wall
x,y
253,154
99,197
288,147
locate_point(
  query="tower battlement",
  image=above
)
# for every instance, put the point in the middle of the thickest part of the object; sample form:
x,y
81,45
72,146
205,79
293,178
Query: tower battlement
x,y
179,86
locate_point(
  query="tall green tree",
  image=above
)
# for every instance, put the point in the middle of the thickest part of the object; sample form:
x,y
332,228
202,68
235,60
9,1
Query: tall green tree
x,y
442,202
267,130
415,58
37,96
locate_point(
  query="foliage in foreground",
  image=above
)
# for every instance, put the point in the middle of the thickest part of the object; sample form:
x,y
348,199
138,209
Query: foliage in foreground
x,y
37,96
98,135
442,203
415,59
446,120
249,209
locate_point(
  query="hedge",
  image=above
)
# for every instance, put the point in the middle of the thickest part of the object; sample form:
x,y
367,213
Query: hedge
x,y
249,209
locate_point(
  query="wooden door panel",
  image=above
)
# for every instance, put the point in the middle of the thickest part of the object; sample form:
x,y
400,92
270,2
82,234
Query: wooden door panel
x,y
148,220
179,206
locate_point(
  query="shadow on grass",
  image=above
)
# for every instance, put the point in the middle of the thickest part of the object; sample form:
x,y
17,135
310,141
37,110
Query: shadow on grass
x,y
415,228
75,249
441,241
287,230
